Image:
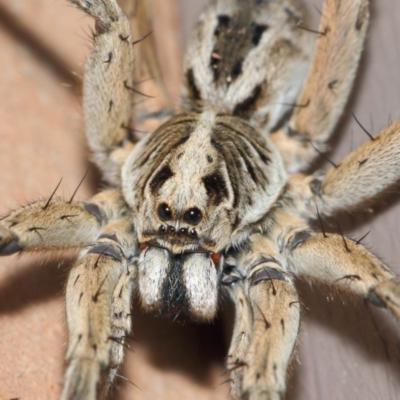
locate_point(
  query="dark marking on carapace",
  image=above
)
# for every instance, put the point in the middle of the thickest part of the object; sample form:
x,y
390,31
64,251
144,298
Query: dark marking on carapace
x,y
249,167
160,178
216,188
180,141
248,138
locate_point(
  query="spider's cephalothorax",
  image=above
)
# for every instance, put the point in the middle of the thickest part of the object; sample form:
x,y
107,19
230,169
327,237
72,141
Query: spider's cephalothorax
x,y
225,176
196,185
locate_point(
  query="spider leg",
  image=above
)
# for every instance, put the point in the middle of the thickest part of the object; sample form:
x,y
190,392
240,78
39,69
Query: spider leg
x,y
155,106
339,45
362,175
107,99
345,264
56,224
266,324
98,311
110,82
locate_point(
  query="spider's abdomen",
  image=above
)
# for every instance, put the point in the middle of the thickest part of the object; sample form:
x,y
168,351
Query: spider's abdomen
x,y
248,59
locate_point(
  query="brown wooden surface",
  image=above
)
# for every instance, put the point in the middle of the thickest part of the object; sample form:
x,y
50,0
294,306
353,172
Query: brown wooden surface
x,y
346,351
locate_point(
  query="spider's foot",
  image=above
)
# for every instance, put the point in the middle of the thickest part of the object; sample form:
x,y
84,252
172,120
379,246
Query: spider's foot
x,y
82,380
106,11
388,293
8,242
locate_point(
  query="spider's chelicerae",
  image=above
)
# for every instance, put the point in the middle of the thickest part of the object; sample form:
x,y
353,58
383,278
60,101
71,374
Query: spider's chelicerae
x,y
212,202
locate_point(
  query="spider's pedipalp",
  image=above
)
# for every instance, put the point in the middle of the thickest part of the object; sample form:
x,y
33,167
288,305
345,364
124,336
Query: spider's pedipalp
x,y
266,324
343,263
362,175
98,311
330,79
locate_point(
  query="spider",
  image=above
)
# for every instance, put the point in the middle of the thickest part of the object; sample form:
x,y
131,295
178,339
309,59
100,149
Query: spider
x,y
277,278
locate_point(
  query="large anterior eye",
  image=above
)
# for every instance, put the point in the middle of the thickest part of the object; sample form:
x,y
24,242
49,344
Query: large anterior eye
x,y
193,216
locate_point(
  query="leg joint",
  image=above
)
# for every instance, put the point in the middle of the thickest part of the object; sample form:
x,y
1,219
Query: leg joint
x,y
107,249
267,274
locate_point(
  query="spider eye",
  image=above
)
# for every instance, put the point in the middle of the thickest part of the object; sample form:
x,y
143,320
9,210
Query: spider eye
x,y
193,216
164,212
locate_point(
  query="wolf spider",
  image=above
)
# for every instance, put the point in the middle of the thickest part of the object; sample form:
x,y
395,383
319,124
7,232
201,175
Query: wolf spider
x,y
269,280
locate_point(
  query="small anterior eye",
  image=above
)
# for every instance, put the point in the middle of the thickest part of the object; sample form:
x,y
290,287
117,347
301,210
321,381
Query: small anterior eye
x,y
193,216
164,212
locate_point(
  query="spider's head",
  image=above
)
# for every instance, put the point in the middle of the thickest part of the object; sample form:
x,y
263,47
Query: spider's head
x,y
196,185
